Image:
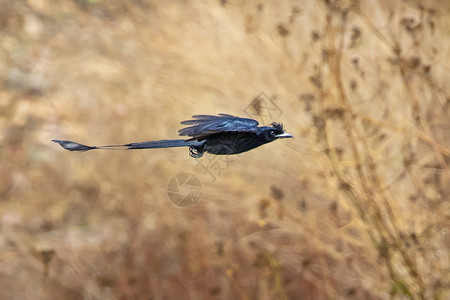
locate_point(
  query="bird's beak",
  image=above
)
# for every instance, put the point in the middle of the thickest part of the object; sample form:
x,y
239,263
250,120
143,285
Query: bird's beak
x,y
283,136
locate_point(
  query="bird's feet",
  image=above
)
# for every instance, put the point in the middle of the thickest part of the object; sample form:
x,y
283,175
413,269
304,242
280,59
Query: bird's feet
x,y
195,152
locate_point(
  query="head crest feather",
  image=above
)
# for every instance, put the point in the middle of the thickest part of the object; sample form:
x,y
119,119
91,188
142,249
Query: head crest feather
x,y
278,126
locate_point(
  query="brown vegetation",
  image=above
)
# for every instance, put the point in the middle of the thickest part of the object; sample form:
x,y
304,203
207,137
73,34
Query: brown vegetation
x,y
355,207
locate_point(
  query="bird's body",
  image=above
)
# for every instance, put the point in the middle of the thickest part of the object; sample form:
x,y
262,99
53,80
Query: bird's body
x,y
220,135
227,143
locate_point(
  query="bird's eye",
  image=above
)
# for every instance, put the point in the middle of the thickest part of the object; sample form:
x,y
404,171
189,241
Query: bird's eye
x,y
272,132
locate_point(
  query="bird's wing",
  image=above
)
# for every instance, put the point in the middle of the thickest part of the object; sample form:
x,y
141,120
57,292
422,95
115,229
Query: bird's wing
x,y
203,125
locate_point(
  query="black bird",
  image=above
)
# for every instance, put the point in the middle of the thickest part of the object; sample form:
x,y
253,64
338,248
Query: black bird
x,y
221,135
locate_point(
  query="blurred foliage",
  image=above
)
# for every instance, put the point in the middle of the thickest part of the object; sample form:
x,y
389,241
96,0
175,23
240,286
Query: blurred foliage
x,y
356,206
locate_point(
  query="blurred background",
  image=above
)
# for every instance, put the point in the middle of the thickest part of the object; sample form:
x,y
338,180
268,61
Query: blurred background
x,y
355,207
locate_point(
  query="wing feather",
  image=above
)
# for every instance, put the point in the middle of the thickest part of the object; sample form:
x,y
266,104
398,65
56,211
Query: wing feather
x,y
203,125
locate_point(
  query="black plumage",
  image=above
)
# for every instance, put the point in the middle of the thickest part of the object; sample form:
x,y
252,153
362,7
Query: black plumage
x,y
221,135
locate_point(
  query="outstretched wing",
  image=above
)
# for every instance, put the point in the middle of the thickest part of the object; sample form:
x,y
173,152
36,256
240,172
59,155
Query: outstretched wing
x,y
204,125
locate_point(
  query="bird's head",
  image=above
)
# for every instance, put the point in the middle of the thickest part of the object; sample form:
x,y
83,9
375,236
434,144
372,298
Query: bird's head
x,y
275,131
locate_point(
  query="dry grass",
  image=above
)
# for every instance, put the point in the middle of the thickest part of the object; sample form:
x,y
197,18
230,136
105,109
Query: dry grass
x,y
355,207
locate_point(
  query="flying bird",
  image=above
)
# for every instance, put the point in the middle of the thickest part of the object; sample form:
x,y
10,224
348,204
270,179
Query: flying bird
x,y
220,135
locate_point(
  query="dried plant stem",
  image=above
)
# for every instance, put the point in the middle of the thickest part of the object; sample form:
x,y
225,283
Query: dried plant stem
x,y
384,223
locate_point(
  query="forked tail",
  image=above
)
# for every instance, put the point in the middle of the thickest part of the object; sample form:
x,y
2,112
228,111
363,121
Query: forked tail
x,y
72,146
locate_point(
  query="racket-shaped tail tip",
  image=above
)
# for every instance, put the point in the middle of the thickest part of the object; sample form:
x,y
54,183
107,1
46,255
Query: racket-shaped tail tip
x,y
72,146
